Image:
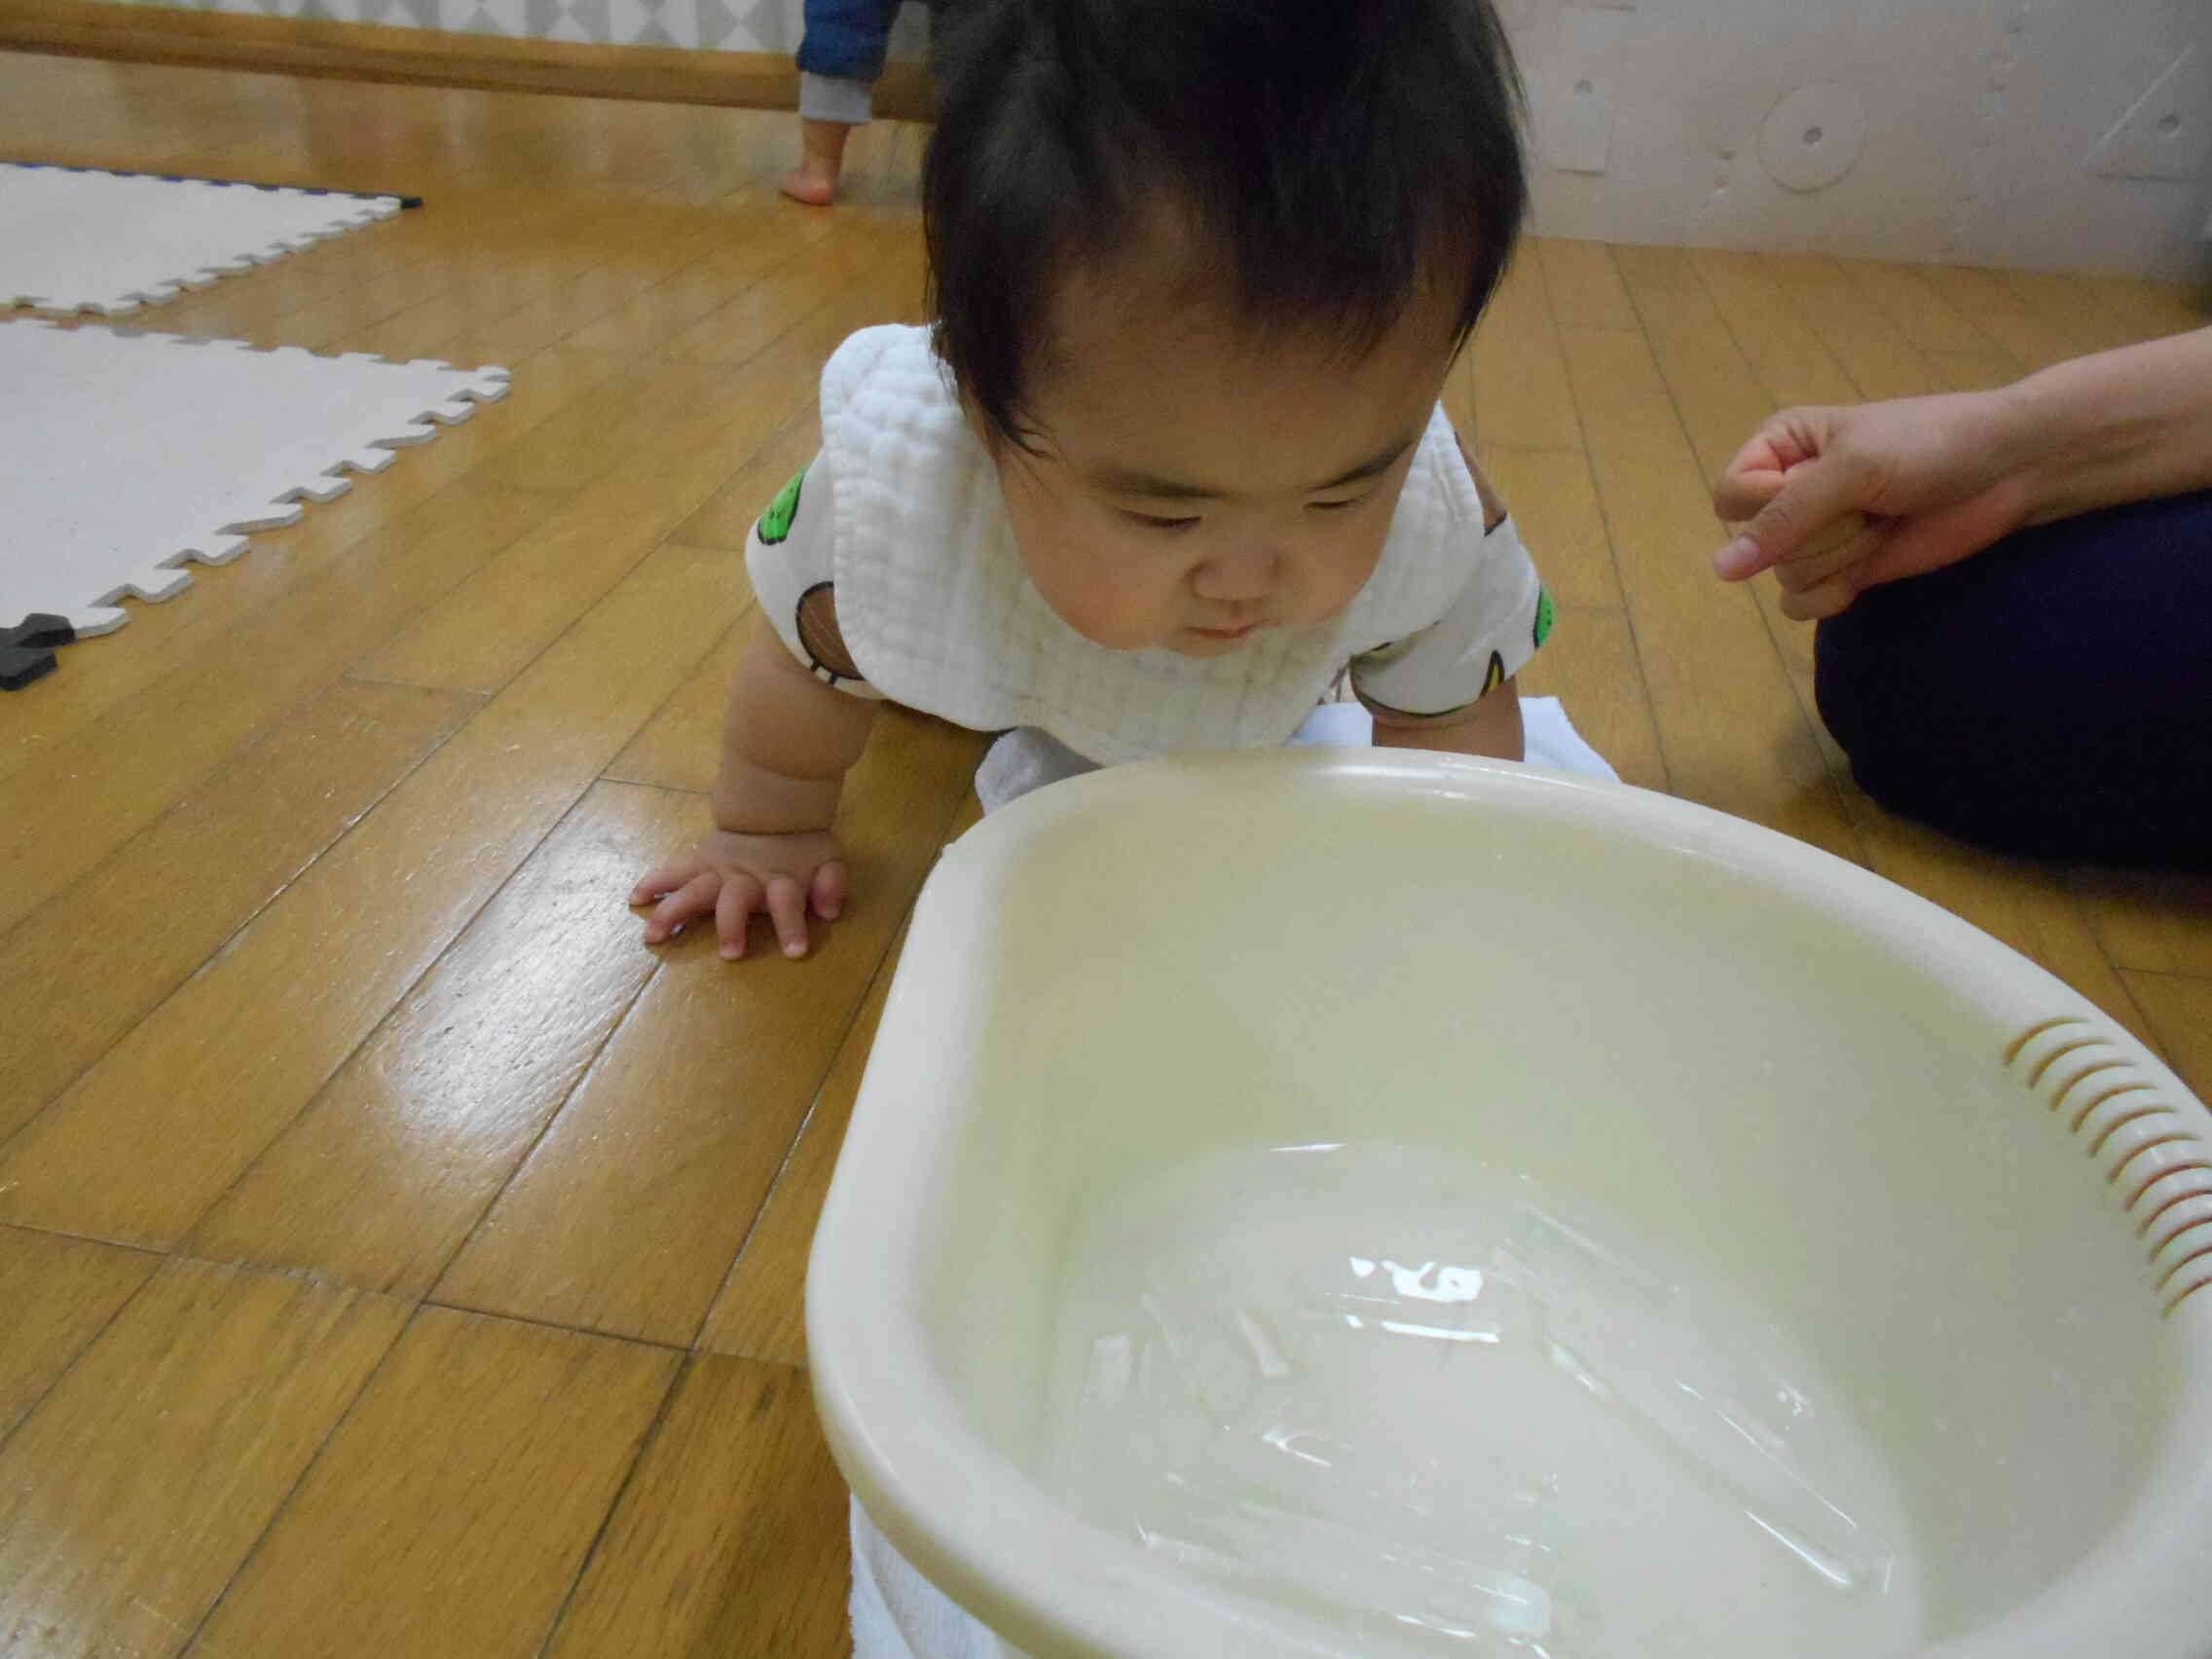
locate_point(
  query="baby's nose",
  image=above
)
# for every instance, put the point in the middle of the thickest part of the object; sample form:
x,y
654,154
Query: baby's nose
x,y
1239,575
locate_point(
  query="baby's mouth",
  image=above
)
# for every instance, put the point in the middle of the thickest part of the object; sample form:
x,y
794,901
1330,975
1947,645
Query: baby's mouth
x,y
1240,631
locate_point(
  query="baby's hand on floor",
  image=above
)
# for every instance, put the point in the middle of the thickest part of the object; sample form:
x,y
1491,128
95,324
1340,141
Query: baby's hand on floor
x,y
730,876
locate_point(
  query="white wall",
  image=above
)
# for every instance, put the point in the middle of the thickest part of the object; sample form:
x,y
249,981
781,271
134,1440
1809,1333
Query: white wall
x,y
1976,131
1968,130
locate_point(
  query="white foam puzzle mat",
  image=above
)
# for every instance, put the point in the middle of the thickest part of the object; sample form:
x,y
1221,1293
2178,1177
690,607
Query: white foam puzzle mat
x,y
78,239
129,454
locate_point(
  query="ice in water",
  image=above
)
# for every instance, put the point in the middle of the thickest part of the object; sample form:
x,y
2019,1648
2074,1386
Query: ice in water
x,y
1450,1411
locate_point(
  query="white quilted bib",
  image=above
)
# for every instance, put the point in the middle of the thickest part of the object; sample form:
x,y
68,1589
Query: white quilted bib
x,y
937,612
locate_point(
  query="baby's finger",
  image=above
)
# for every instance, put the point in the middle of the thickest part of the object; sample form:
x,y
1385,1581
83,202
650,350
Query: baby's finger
x,y
733,915
830,889
695,898
659,883
786,907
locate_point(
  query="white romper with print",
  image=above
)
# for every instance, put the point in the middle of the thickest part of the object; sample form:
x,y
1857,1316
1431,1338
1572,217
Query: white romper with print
x,y
900,519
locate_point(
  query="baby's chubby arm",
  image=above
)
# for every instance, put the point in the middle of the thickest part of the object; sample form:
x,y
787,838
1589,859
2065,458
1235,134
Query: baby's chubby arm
x,y
788,742
1490,725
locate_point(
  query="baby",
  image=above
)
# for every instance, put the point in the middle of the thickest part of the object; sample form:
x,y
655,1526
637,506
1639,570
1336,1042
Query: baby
x,y
1171,460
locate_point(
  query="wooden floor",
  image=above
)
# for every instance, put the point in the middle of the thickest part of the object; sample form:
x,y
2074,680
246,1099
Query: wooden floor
x,y
395,1259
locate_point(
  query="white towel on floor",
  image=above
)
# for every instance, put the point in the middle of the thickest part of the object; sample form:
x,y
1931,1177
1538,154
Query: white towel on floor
x,y
1028,758
899,1614
896,1612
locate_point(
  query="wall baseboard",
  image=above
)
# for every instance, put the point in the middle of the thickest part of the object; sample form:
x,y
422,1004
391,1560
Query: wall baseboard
x,y
427,57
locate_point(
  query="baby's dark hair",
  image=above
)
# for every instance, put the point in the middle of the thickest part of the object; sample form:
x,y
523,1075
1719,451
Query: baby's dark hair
x,y
1336,154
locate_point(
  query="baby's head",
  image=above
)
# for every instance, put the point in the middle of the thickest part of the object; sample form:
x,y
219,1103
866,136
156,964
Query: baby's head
x,y
1199,267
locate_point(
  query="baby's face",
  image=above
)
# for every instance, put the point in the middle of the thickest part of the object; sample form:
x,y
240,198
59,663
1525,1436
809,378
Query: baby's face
x,y
1197,483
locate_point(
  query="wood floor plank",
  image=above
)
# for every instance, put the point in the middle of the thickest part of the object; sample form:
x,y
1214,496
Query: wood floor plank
x,y
2179,1010
1731,729
542,389
726,519
1790,359
585,438
146,1140
478,309
272,305
705,1084
85,966
1590,664
2072,305
1585,287
1974,371
494,623
1555,503
736,329
1510,384
561,312
681,746
1716,390
2020,330
60,1292
256,302
2152,309
450,1511
1717,395
492,629
658,313
428,245
130,1494
1622,398
731,1539
2157,922
798,354
761,1310
377,1182
2022,904
74,805
616,252
354,310
1877,354
1926,318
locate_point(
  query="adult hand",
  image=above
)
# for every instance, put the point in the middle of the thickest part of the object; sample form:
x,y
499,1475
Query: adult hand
x,y
1837,500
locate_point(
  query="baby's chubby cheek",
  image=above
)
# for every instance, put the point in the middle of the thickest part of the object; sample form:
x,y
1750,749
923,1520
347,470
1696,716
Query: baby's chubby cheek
x,y
1105,608
1090,584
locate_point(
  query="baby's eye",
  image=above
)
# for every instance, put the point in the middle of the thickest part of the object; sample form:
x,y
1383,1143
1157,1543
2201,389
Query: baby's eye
x,y
1152,521
1334,507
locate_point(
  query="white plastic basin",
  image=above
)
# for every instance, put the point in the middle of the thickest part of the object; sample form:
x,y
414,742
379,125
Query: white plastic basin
x,y
1983,1206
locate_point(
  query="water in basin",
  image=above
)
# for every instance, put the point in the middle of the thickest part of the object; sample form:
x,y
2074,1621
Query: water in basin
x,y
1449,1410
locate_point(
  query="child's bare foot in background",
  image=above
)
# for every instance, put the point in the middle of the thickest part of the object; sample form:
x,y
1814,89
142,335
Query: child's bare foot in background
x,y
822,158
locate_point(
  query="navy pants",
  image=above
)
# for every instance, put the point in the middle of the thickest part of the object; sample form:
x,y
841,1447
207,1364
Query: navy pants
x,y
2051,696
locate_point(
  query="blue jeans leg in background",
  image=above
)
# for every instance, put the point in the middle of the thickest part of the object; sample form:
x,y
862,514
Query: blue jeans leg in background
x,y
841,57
